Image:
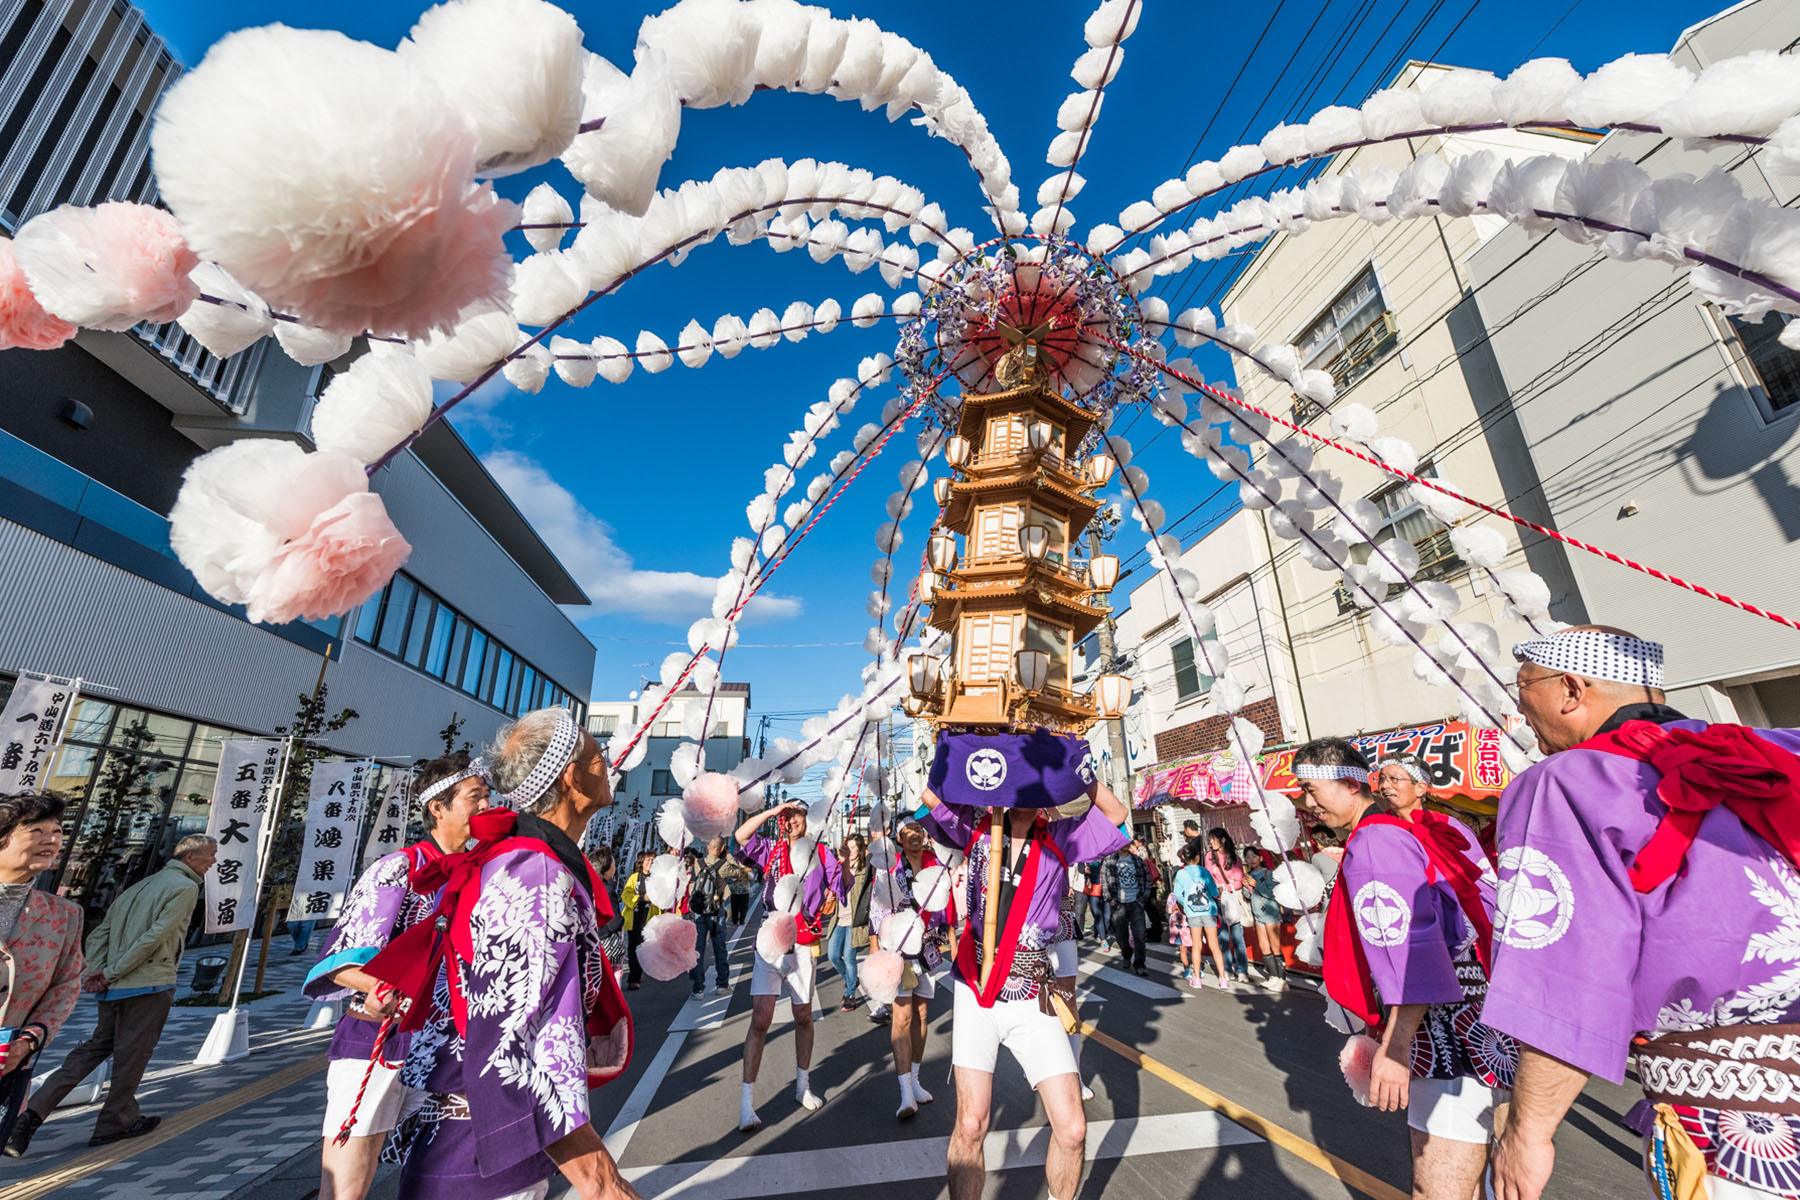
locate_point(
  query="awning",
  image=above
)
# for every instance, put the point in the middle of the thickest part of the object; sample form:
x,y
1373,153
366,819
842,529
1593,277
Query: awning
x,y
1463,762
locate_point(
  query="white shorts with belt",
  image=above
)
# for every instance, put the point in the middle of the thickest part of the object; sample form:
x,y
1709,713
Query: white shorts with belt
x,y
792,976
1034,1037
1458,1110
381,1105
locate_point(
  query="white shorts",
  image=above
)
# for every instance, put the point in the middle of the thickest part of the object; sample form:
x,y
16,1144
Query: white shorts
x,y
1725,1189
1035,1038
792,976
1064,959
380,1109
924,984
1458,1110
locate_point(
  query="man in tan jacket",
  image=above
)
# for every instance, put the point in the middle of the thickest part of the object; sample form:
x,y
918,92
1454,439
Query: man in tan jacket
x,y
132,955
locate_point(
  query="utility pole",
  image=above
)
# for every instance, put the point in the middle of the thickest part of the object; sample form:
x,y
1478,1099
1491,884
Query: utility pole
x,y
1098,533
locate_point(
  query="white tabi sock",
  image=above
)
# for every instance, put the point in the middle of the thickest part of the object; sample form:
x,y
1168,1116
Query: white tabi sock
x,y
803,1091
747,1118
909,1103
917,1087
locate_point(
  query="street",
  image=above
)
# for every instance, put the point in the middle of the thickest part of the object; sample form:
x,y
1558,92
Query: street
x,y
1193,1092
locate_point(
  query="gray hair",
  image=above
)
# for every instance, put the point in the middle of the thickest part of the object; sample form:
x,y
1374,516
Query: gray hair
x,y
518,748
193,843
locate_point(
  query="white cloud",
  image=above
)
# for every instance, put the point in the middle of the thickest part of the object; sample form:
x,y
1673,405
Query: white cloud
x,y
606,573
480,409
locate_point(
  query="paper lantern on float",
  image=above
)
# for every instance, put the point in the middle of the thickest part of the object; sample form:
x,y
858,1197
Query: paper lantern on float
x,y
1040,433
940,551
928,585
940,491
1112,695
1033,667
1103,572
1034,542
925,674
956,451
1099,470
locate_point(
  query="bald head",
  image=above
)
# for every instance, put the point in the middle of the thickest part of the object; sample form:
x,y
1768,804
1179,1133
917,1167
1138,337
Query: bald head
x,y
1565,708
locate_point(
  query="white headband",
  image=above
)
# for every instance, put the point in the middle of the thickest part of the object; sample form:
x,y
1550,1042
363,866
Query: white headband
x,y
557,755
1596,655
477,768
1411,768
1330,771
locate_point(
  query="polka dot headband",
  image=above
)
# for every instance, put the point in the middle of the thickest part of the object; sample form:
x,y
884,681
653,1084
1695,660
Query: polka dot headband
x,y
1331,771
557,755
1410,766
477,768
1593,654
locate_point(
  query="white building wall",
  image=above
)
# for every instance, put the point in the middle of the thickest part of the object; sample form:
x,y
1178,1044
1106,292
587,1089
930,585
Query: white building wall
x,y
1651,437
1427,391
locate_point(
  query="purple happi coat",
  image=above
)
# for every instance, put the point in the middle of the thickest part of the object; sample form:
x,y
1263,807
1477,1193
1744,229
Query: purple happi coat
x,y
936,930
822,876
1076,839
1583,962
495,1100
379,908
1420,949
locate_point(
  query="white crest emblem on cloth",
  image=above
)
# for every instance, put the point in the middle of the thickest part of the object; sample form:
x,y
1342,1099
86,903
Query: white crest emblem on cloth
x,y
1535,901
986,769
1085,768
1382,915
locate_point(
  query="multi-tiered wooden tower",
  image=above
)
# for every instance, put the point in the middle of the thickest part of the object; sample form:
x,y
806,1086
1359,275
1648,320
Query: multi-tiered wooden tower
x,y
1012,596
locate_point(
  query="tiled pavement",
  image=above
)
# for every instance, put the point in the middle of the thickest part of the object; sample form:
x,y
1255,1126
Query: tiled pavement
x,y
228,1151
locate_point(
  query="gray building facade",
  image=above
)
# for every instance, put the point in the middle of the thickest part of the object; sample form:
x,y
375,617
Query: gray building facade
x,y
1662,429
93,440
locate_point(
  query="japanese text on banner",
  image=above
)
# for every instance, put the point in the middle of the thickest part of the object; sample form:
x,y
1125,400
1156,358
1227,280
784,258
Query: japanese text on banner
x,y
390,823
30,728
334,811
242,798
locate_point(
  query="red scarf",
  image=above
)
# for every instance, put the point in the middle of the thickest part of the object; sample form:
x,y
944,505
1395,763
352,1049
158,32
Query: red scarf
x,y
807,930
410,962
1347,965
968,951
1758,781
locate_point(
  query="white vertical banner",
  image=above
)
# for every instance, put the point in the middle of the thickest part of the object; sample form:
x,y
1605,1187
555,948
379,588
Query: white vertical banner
x,y
334,812
391,821
249,770
31,726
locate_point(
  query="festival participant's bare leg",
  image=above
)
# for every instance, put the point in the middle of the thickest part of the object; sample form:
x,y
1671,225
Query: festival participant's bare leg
x,y
762,1013
968,1166
347,1171
1061,1097
803,1048
1444,1169
901,1036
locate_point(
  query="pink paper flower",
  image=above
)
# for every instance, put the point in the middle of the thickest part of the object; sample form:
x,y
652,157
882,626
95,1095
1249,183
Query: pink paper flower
x,y
24,322
346,555
709,807
776,939
667,950
110,266
1356,1060
880,975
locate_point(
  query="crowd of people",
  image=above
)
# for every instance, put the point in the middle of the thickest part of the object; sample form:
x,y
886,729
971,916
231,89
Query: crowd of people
x,y
1620,915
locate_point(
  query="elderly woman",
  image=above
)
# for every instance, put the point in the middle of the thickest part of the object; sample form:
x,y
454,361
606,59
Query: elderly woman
x,y
40,945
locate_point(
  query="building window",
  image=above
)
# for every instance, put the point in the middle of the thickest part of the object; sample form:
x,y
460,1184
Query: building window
x,y
1770,369
662,783
1404,517
414,626
1352,335
606,726
1190,680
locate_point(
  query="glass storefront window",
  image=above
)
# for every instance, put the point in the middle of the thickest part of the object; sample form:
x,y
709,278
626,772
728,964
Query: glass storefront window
x,y
421,628
437,650
89,721
393,621
471,680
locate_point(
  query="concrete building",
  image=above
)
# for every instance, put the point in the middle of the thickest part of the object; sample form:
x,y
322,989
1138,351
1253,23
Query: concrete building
x,y
1172,692
642,791
1662,429
93,440
1388,310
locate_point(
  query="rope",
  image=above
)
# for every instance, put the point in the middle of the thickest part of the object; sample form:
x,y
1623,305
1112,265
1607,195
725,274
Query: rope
x,y
381,1036
1434,485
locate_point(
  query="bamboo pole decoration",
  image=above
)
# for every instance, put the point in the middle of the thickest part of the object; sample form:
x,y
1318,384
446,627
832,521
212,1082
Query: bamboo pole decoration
x,y
990,925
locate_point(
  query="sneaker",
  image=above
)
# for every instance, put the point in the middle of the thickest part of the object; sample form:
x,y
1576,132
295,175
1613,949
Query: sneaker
x,y
724,989
1141,972
138,1128
879,1015
1195,982
21,1134
698,991
1272,983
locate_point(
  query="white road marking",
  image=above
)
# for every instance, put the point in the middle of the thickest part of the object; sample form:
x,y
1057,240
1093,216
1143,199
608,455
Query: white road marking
x,y
882,1163
1129,982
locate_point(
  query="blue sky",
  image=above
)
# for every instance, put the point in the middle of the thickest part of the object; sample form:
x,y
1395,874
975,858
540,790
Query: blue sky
x,y
652,476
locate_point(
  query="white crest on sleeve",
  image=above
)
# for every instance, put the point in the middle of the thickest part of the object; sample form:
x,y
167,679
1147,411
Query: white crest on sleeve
x,y
1536,901
1382,915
